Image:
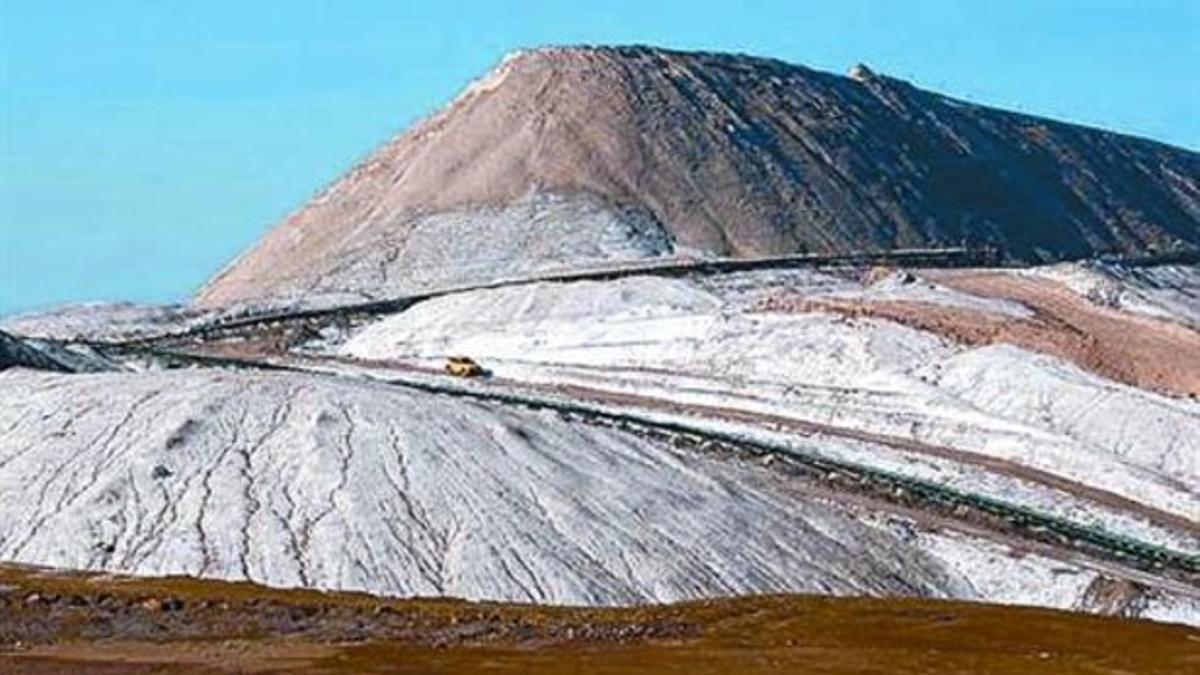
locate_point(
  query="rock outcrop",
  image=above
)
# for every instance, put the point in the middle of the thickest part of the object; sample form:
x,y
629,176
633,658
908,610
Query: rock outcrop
x,y
16,353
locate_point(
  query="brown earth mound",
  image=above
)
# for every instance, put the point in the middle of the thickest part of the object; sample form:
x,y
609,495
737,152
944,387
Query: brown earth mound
x,y
1140,351
731,155
76,623
1143,351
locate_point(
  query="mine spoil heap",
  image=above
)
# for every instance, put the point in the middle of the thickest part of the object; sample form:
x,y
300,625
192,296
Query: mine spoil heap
x,y
716,154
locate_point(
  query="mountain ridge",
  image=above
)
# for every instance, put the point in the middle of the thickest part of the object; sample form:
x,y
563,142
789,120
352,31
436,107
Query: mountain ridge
x,y
727,155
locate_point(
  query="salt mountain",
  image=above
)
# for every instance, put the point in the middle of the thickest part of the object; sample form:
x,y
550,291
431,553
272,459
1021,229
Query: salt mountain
x,y
565,156
1019,436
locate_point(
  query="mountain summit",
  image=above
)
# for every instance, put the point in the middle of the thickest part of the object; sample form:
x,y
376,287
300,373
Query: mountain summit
x,y
564,157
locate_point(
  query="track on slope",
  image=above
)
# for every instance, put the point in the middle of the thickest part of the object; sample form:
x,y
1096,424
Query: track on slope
x,y
956,257
887,485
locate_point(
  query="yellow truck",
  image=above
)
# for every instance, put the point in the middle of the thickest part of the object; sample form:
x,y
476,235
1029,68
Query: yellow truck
x,y
462,366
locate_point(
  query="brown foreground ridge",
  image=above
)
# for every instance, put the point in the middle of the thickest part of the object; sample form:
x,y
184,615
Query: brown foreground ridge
x,y
58,622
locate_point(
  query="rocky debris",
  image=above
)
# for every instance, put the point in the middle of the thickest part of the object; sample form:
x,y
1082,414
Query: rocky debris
x,y
861,73
17,353
162,604
36,599
879,274
116,609
876,274
244,628
1114,597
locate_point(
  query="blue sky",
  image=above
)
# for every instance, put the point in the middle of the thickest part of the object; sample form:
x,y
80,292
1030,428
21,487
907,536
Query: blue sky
x,y
144,143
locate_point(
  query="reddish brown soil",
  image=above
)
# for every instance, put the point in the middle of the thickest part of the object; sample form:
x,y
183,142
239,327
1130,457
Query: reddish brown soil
x,y
59,623
1141,351
1138,350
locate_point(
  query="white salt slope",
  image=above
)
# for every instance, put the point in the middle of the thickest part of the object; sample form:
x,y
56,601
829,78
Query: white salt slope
x,y
1151,430
643,322
537,234
677,341
295,480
